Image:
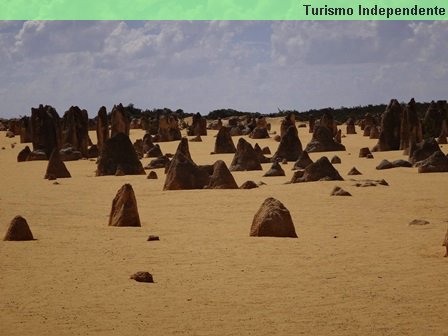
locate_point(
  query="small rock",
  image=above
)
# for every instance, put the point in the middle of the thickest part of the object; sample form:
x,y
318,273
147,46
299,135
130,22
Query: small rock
x,y
153,238
338,191
419,222
142,277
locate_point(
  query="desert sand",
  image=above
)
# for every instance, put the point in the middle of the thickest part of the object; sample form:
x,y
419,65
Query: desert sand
x,y
357,267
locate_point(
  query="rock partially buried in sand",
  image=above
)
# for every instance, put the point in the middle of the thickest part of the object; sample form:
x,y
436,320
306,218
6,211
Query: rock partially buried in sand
x,y
445,243
338,191
249,185
418,222
221,178
354,171
153,238
152,175
272,220
124,210
364,152
142,277
335,160
436,163
18,230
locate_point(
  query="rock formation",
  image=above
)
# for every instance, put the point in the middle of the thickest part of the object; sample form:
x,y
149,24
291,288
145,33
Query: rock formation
x,y
351,126
224,142
119,151
303,161
119,122
102,128
18,230
323,141
245,157
45,129
290,146
272,220
422,150
275,170
354,171
338,191
124,210
436,163
198,127
389,138
221,178
75,129
56,167
320,170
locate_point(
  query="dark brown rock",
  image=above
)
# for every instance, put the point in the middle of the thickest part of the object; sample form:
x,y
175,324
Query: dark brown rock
x,y
102,128
272,220
335,160
423,150
196,139
221,178
45,129
119,151
445,243
351,126
436,163
119,122
160,162
184,174
23,154
290,146
155,151
249,185
354,171
303,161
260,155
198,127
224,142
275,170
323,141
56,167
18,230
75,129
142,277
389,138
363,152
152,175
245,157
321,170
288,121
338,191
124,210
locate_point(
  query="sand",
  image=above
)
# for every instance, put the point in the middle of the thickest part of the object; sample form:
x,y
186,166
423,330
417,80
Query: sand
x,y
357,267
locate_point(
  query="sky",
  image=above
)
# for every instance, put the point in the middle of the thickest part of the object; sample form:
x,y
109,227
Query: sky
x,y
200,66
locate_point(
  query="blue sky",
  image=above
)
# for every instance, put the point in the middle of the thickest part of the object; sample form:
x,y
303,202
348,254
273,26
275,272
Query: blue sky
x,y
206,65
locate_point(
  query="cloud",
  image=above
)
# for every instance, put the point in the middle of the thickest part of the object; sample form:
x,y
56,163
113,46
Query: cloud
x,y
204,65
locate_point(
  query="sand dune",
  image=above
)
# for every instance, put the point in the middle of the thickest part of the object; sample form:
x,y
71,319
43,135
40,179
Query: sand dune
x,y
357,267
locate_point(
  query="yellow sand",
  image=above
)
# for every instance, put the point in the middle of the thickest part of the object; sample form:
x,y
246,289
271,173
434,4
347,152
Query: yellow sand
x,y
357,267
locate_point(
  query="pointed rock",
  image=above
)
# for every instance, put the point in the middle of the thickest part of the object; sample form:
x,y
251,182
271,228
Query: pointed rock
x,y
261,157
224,142
245,158
423,150
338,191
290,146
23,154
323,141
335,160
184,174
124,210
152,175
321,170
354,171
221,178
56,167
272,220
303,161
363,152
275,170
18,230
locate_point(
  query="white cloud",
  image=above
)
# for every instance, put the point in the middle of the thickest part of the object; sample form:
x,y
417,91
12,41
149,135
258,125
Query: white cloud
x,y
200,66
